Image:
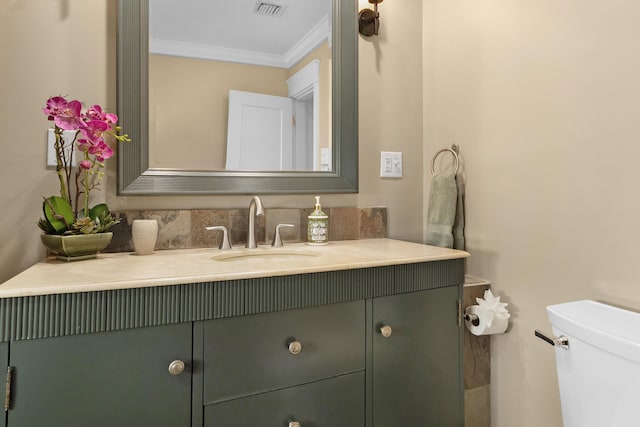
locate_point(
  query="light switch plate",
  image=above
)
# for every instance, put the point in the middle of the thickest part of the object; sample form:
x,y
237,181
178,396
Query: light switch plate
x,y
325,159
68,135
390,164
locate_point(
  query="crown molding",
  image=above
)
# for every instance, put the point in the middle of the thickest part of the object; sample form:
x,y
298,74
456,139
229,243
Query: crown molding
x,y
314,38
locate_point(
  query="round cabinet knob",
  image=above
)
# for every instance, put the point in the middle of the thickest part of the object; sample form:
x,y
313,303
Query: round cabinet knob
x,y
386,331
294,424
176,367
295,347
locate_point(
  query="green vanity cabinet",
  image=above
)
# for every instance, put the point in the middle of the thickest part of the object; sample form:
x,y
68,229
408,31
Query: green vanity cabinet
x,y
102,380
416,373
368,347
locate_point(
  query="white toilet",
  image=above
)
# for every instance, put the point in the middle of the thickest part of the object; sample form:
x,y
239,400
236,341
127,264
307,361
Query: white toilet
x,y
599,368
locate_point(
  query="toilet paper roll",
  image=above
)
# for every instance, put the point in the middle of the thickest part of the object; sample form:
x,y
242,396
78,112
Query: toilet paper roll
x,y
498,326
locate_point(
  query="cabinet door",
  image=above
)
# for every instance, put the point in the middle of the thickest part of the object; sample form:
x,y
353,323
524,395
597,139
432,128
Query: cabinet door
x,y
416,370
103,380
335,402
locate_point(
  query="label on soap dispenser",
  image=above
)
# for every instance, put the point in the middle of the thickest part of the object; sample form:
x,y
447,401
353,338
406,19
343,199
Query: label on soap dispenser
x,y
318,227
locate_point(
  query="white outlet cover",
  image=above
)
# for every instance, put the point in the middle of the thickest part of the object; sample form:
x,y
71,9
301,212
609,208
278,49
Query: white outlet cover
x,y
391,164
68,136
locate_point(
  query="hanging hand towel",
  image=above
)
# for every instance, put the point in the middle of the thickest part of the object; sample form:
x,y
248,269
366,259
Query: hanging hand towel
x,y
441,212
458,224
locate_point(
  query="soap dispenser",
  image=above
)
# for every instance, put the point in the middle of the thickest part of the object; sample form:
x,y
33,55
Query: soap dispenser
x,y
318,228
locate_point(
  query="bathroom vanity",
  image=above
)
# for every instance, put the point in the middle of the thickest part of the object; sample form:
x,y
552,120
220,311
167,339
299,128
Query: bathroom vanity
x,y
357,333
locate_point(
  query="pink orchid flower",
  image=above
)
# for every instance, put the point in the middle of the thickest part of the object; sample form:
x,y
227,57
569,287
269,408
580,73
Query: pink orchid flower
x,y
69,118
83,143
85,164
96,113
93,130
101,151
55,106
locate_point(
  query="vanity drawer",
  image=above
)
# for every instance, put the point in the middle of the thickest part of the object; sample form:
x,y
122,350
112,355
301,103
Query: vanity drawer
x,y
336,402
251,354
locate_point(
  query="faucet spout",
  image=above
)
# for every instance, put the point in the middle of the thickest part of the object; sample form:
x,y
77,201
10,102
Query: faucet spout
x,y
255,208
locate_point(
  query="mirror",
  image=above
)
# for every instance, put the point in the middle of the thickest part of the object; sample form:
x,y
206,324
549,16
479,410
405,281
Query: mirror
x,y
245,86
138,176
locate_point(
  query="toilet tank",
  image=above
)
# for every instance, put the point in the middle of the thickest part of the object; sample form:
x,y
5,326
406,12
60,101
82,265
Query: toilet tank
x,y
599,373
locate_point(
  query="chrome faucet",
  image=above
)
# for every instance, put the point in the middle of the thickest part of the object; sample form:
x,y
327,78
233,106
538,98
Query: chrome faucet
x,y
255,208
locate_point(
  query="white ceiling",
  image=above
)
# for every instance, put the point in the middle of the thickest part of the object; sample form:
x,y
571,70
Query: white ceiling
x,y
231,29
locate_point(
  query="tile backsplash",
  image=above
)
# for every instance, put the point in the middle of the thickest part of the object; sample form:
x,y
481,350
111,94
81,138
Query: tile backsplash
x,y
185,229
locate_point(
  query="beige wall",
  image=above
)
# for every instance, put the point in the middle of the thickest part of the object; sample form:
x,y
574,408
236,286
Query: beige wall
x,y
189,103
68,47
542,97
189,107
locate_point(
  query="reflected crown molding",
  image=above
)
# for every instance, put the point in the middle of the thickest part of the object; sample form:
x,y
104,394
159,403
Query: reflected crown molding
x,y
314,38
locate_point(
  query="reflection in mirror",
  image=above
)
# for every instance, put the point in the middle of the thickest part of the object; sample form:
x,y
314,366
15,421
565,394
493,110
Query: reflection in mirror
x,y
246,84
165,79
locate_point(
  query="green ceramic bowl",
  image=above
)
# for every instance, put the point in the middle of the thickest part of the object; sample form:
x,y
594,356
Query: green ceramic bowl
x,y
75,247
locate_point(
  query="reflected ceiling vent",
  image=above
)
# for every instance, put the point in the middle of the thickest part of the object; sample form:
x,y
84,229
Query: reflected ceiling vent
x,y
268,9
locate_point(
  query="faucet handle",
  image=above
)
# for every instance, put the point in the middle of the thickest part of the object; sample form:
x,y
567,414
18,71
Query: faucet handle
x,y
224,243
277,241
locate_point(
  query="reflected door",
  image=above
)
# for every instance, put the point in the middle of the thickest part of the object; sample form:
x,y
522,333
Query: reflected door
x,y
259,134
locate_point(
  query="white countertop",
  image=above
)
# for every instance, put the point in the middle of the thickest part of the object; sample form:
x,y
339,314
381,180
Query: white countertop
x,y
173,267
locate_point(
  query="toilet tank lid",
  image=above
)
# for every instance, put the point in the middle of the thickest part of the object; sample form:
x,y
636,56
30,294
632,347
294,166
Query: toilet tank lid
x,y
610,328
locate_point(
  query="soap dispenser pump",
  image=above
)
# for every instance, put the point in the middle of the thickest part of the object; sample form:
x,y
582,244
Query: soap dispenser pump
x,y
318,227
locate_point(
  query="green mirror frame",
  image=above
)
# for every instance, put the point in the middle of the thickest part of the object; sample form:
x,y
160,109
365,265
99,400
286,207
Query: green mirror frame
x,y
136,178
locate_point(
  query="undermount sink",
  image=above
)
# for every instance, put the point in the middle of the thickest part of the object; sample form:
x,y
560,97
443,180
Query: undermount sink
x,y
267,254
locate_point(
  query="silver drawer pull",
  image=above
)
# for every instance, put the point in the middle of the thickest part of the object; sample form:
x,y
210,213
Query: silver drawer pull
x,y
561,341
294,424
295,347
386,331
176,367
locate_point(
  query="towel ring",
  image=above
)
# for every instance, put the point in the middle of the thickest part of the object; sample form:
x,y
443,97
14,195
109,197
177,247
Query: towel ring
x,y
444,150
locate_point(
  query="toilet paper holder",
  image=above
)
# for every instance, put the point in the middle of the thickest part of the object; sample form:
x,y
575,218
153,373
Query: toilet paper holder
x,y
488,317
482,322
473,318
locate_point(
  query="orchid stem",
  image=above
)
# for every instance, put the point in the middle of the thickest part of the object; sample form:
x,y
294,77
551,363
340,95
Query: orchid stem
x,y
61,168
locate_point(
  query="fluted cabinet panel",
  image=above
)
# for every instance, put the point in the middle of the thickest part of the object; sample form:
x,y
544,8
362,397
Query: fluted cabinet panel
x,y
90,312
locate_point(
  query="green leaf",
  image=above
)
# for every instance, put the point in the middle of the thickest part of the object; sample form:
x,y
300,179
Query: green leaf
x,y
45,226
98,210
102,218
58,213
